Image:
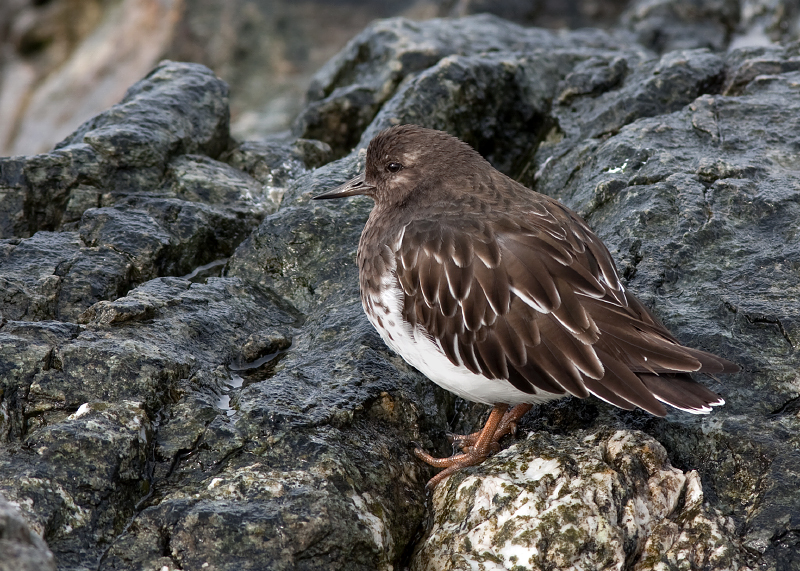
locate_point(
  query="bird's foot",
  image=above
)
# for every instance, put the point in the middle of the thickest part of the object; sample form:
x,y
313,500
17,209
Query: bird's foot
x,y
477,446
451,465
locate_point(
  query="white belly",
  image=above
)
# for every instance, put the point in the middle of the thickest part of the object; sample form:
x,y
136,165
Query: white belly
x,y
425,354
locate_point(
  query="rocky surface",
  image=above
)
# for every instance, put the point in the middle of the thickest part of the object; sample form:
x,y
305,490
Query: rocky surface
x,y
20,548
583,501
64,61
187,380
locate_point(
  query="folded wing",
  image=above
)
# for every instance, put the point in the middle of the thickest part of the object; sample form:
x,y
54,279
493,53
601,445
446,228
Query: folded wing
x,y
536,301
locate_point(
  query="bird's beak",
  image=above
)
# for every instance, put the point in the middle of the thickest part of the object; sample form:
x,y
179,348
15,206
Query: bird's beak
x,y
352,187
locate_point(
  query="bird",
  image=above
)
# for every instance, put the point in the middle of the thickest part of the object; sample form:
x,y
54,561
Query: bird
x,y
503,295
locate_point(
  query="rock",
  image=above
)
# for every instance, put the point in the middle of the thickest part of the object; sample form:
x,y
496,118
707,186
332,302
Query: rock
x,y
235,420
20,548
666,25
682,199
276,164
262,457
177,109
54,275
748,63
130,197
153,415
586,501
63,63
571,14
347,92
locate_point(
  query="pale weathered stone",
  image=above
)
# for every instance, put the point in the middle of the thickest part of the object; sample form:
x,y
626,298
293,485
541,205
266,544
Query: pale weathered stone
x,y
584,501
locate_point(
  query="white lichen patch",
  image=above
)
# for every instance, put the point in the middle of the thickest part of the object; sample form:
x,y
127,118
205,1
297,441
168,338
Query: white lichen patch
x,y
365,510
575,502
617,170
83,409
253,480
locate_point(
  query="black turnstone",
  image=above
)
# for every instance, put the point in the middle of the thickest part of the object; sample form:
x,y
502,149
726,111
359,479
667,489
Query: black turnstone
x,y
504,296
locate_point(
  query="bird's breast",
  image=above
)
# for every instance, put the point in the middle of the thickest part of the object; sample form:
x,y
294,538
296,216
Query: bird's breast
x,y
383,299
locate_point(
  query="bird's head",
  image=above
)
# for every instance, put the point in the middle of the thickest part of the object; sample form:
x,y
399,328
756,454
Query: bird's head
x,y
407,164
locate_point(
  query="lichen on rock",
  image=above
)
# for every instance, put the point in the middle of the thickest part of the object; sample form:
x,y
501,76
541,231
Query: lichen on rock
x,y
593,500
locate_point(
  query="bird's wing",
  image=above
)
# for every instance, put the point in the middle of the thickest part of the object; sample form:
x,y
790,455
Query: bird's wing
x,y
539,303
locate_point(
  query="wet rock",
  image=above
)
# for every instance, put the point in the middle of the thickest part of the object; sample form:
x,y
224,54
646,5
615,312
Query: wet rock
x,y
200,179
62,63
283,253
691,201
135,202
262,344
277,164
246,463
102,389
746,64
58,275
177,109
54,275
79,473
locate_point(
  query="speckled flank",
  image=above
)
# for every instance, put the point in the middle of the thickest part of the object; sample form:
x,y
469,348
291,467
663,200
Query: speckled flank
x,y
426,355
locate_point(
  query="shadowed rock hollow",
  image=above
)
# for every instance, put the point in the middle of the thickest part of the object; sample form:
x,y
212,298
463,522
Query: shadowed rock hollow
x,y
187,379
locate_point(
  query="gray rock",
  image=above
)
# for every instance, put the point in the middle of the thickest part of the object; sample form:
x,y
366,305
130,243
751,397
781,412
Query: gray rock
x,y
665,25
177,109
60,274
348,91
563,14
20,548
255,453
696,204
583,501
54,275
135,203
745,64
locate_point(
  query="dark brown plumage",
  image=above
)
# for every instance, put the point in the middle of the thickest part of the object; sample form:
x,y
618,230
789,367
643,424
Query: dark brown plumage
x,y
503,295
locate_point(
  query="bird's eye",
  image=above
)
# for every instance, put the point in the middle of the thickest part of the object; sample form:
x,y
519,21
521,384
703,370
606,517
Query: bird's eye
x,y
394,167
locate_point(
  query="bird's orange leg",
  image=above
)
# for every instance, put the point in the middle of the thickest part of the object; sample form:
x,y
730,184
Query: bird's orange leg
x,y
477,446
508,425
